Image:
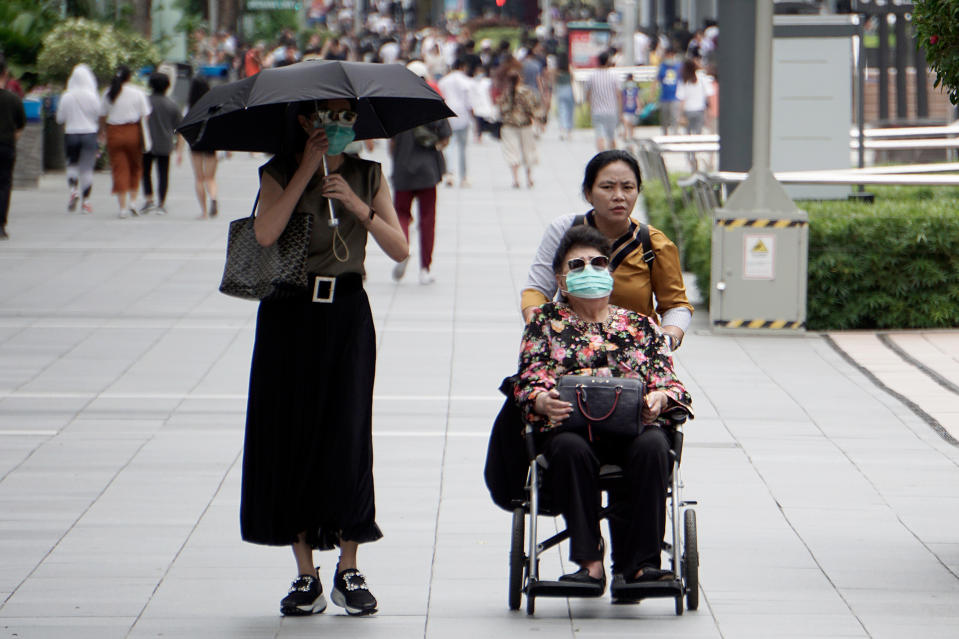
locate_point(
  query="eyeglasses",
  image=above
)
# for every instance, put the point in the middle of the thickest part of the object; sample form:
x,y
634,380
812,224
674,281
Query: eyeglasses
x,y
579,263
328,116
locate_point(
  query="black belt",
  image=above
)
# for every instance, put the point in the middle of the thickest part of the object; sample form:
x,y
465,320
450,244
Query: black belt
x,y
326,289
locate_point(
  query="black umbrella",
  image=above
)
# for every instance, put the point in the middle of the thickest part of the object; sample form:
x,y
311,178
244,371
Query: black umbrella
x,y
252,114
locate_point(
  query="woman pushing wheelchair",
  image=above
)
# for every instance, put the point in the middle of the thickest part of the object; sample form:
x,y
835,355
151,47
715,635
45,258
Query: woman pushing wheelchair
x,y
584,335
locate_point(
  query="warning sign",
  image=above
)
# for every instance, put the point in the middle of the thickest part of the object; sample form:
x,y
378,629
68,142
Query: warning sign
x,y
758,257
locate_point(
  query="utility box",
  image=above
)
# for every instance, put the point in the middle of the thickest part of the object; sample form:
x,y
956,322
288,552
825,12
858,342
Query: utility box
x,y
759,270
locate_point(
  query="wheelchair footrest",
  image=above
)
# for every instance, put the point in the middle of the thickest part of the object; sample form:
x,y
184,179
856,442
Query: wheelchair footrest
x,y
563,589
646,589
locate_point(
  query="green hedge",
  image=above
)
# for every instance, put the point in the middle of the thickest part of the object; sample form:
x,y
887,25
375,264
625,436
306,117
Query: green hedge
x,y
890,264
691,231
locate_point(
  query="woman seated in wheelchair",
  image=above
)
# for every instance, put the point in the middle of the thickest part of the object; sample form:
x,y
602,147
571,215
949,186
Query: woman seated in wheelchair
x,y
585,335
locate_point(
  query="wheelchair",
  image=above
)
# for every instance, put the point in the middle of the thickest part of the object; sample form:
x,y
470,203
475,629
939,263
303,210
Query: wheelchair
x,y
525,548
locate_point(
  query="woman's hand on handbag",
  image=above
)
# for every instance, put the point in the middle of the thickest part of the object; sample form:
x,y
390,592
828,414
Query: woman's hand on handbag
x,y
653,405
550,405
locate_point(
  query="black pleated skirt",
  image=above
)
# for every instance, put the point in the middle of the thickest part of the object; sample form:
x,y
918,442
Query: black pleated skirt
x,y
308,453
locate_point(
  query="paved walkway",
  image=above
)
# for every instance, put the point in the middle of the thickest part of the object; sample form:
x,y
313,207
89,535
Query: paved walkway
x,y
828,507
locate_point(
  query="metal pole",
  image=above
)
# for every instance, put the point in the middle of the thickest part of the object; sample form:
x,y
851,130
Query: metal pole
x,y
861,95
211,11
547,18
762,88
357,17
629,31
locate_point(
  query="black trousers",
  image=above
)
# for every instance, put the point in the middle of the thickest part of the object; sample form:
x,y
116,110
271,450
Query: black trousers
x,y
163,173
8,154
637,529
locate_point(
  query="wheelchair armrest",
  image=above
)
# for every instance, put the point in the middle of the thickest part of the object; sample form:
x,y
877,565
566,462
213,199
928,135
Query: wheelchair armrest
x,y
676,415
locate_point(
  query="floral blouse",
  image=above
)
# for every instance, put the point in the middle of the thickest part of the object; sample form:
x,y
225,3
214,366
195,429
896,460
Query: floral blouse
x,y
558,342
520,108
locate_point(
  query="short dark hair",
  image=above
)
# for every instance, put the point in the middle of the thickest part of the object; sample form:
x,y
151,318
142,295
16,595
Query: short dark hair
x,y
159,82
579,235
603,58
605,158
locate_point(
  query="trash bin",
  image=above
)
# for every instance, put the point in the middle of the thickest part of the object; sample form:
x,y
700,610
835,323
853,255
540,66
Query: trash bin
x,y
54,152
180,90
215,73
29,163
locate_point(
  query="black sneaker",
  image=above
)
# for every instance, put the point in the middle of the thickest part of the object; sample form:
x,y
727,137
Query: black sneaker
x,y
305,598
351,592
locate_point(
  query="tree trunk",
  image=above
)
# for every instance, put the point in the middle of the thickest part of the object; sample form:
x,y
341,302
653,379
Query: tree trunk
x,y
228,11
143,18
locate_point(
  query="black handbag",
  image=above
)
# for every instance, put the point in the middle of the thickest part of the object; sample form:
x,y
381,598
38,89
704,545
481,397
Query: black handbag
x,y
256,272
425,136
609,406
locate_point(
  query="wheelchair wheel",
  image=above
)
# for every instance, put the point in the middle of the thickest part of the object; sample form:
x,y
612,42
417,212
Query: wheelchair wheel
x,y
691,554
517,558
530,604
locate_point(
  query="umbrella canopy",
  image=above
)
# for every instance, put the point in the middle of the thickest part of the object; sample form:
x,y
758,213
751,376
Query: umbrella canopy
x,y
252,114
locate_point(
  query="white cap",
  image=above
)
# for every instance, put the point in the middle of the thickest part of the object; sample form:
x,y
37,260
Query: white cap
x,y
486,43
419,68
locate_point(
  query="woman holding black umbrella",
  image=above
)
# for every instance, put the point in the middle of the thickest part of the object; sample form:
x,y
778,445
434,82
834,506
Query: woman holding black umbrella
x,y
308,457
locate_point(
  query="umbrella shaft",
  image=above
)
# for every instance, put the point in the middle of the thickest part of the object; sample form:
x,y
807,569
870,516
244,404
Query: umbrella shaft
x,y
333,221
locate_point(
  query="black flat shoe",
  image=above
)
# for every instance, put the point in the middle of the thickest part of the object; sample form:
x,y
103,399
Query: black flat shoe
x,y
582,576
652,574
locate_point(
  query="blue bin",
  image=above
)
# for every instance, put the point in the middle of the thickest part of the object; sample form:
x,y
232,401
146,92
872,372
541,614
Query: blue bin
x,y
33,108
218,71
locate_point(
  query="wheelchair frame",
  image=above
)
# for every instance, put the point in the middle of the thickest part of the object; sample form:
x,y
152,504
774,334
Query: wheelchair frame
x,y
524,555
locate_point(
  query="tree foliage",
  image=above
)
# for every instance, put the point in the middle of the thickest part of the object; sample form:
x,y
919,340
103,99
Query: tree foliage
x,y
23,24
937,31
99,45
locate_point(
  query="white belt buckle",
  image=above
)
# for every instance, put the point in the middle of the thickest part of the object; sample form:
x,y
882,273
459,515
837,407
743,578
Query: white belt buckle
x,y
316,289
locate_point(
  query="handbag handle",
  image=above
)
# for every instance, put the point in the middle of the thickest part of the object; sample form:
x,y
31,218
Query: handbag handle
x,y
579,402
256,201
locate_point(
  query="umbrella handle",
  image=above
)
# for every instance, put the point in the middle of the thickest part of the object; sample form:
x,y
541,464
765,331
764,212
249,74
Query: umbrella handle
x,y
332,221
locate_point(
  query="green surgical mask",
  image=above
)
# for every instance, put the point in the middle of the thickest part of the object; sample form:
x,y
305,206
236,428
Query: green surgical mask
x,y
339,136
590,283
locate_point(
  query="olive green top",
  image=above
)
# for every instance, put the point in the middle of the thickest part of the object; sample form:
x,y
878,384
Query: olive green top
x,y
364,178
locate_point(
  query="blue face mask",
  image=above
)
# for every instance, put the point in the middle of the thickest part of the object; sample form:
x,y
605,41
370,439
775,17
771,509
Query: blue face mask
x,y
589,283
339,136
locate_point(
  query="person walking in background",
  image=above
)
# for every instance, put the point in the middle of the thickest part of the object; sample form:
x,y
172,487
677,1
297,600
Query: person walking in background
x,y
605,103
630,105
417,168
124,109
518,107
204,162
693,93
79,113
563,83
668,78
164,118
455,88
13,119
484,111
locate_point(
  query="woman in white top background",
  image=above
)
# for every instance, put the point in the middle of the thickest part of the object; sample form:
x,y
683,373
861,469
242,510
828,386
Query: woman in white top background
x,y
79,112
693,91
124,108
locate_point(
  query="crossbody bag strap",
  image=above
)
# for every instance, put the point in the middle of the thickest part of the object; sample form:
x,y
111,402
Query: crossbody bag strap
x,y
646,244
